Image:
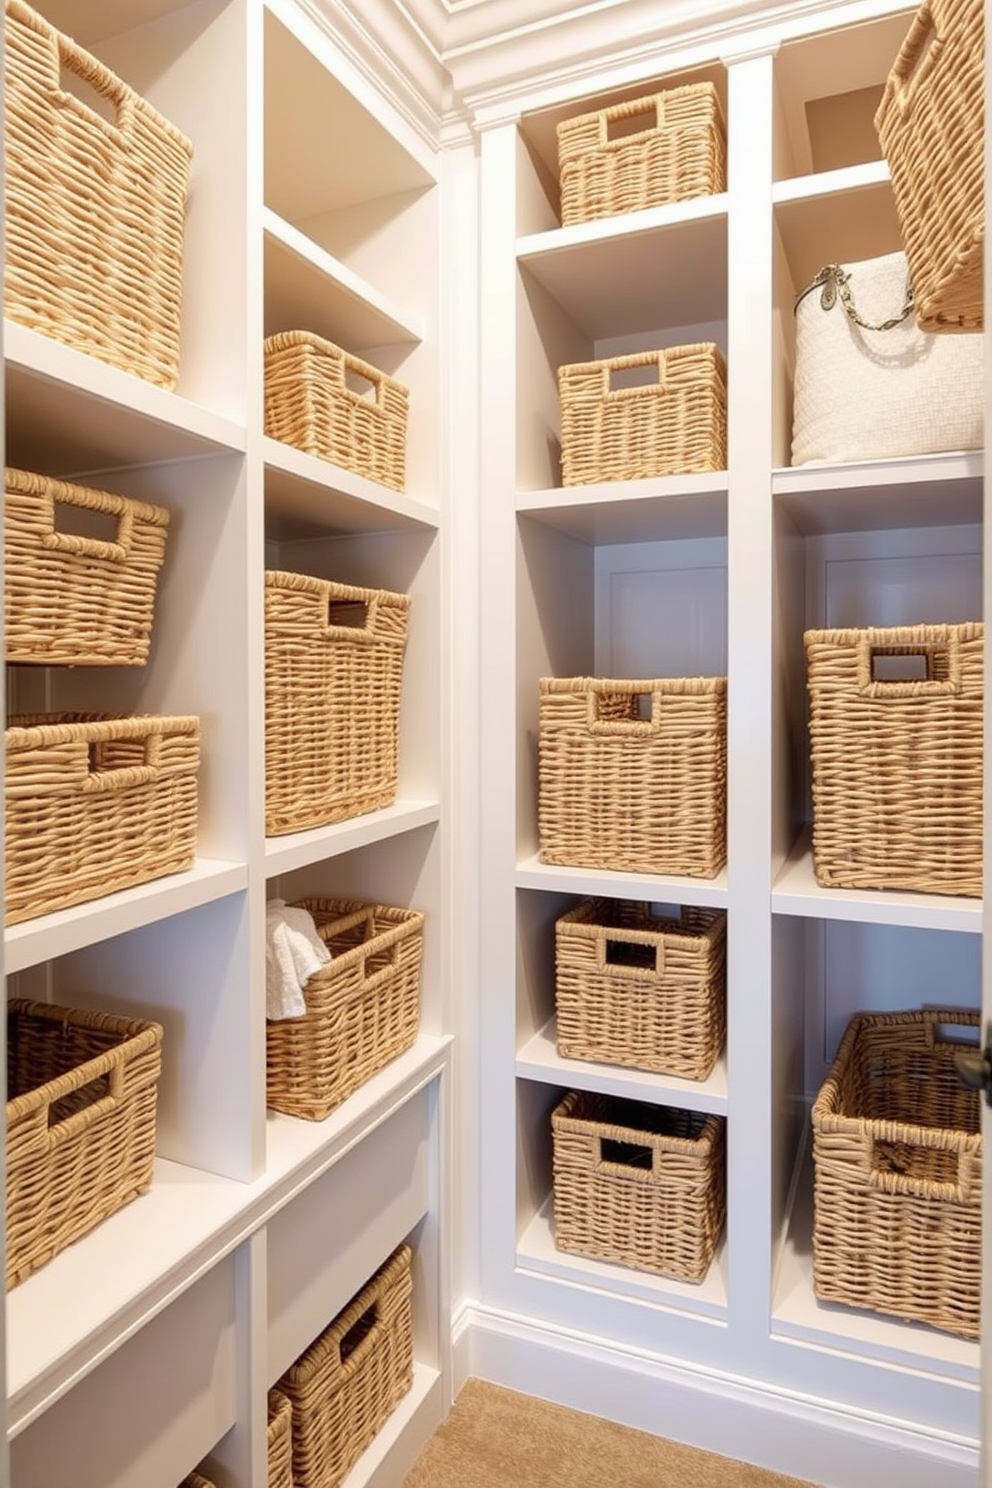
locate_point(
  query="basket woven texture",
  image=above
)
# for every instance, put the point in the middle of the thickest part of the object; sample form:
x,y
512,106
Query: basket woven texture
x,y
196,1480
280,1441
333,681
73,598
317,399
94,210
676,425
81,1090
639,991
95,804
638,1184
897,765
679,152
897,1153
352,1377
645,795
363,1008
931,125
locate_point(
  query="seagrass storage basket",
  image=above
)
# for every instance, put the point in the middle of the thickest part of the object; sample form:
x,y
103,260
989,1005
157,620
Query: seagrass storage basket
x,y
95,804
897,762
363,1007
333,684
607,165
94,211
897,1155
279,1441
81,1096
352,1377
335,406
77,597
637,1184
641,991
675,424
617,789
930,124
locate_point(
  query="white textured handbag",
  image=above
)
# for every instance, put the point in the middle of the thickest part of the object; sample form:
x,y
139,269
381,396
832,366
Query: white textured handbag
x,y
870,385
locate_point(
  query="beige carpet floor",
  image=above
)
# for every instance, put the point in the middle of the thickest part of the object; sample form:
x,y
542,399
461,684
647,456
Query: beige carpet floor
x,y
496,1438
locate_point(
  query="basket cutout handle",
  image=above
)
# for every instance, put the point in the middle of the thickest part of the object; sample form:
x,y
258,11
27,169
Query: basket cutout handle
x,y
106,773
632,953
624,1157
362,382
920,1170
84,1104
930,669
635,376
361,1337
380,963
351,619
633,710
91,91
76,519
917,58
625,120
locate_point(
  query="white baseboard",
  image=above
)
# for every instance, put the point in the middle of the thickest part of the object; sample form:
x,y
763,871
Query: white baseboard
x,y
782,1431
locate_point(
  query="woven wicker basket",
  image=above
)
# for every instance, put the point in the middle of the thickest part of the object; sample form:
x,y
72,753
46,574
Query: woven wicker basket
x,y
352,1377
196,1480
73,598
897,1153
333,682
317,398
94,211
644,795
931,125
81,1090
679,152
280,1441
639,991
676,425
363,1008
94,805
638,1184
897,765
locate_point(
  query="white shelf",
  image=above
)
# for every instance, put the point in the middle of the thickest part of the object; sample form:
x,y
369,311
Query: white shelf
x,y
300,849
74,413
69,1315
833,183
536,1252
666,266
539,1059
308,496
815,233
668,507
799,1315
796,892
871,495
710,893
307,288
33,941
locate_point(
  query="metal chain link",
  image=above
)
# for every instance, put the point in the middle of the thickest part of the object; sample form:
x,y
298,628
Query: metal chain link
x,y
834,280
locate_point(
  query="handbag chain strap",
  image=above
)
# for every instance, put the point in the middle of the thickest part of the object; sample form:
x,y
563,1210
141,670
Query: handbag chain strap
x,y
834,281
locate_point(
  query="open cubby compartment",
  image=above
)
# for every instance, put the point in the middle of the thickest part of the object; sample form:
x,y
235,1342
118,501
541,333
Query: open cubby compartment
x,y
402,871
827,88
538,194
403,559
648,287
824,970
621,609
183,58
854,547
129,1421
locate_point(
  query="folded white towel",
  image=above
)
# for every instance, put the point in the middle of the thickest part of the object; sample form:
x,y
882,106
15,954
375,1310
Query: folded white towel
x,y
293,952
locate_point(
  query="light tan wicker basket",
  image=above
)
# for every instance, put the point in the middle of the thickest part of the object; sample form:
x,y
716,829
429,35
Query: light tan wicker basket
x,y
93,210
897,765
81,1094
641,794
897,1154
76,597
333,683
679,152
352,1377
931,125
95,804
363,1007
196,1480
640,991
335,406
280,1441
674,425
638,1184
